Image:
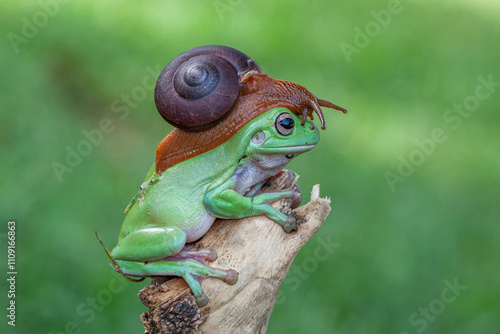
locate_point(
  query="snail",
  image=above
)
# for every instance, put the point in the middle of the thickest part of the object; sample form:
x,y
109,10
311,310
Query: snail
x,y
209,92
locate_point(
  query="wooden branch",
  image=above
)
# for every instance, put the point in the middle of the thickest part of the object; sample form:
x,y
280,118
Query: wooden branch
x,y
259,250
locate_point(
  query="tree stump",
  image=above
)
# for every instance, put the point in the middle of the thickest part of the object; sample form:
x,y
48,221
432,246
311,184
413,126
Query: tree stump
x,y
259,250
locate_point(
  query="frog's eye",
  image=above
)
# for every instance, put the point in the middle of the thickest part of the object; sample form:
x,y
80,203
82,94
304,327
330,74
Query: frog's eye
x,y
285,124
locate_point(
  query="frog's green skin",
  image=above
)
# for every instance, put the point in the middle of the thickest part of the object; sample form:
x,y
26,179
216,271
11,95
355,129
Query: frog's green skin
x,y
179,205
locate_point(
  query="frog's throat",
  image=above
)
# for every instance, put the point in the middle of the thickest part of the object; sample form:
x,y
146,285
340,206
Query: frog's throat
x,y
258,93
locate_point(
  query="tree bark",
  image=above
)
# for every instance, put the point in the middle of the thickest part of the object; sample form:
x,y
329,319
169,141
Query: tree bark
x,y
259,250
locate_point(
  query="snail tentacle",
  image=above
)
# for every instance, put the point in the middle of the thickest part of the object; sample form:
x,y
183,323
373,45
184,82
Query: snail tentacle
x,y
319,112
328,104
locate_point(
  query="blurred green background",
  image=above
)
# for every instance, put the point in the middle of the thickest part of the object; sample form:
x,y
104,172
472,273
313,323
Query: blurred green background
x,y
413,180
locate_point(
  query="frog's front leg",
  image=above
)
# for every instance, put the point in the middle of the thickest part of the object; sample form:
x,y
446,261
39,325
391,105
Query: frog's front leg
x,y
161,252
224,202
289,183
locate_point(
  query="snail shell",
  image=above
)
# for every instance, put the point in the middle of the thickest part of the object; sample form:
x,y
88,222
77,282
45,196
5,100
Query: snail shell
x,y
200,86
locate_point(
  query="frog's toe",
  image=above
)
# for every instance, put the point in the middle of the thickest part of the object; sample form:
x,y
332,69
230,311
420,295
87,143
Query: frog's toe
x,y
201,300
290,183
199,255
231,277
212,256
297,198
290,225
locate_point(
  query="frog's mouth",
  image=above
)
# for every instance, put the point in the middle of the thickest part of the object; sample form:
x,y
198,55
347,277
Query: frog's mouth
x,y
291,151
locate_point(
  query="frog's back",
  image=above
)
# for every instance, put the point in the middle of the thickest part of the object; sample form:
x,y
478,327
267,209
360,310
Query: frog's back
x,y
176,197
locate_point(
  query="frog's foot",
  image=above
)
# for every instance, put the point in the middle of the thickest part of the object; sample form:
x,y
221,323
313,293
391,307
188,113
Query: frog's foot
x,y
289,184
198,271
255,189
290,224
259,188
200,255
192,271
297,198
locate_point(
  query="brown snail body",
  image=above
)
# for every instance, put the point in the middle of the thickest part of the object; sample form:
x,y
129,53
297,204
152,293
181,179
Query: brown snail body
x,y
225,90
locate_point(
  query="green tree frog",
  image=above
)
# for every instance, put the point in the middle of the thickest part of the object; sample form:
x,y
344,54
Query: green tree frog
x,y
214,167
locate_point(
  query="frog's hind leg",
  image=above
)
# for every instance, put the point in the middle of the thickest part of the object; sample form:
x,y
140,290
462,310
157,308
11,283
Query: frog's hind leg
x,y
161,252
189,269
150,244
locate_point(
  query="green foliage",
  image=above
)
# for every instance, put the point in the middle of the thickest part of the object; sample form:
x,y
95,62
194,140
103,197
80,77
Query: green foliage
x,y
397,243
